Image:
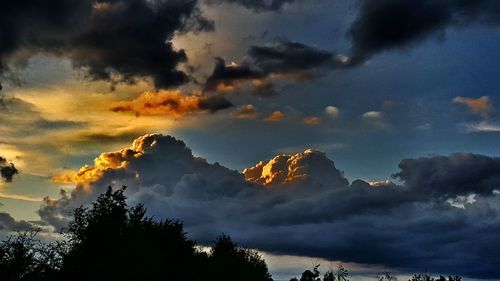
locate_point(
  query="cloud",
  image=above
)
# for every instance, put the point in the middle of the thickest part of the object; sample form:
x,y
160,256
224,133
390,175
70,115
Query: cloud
x,y
171,103
274,117
448,176
332,111
312,121
256,5
306,207
372,115
248,111
303,169
8,223
481,106
283,60
482,127
383,25
115,41
7,170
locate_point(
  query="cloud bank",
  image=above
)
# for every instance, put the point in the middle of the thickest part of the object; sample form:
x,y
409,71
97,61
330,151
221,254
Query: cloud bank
x,y
444,217
282,60
111,40
171,103
383,25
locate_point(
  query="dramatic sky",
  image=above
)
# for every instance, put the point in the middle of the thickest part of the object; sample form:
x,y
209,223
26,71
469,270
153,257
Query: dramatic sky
x,y
357,131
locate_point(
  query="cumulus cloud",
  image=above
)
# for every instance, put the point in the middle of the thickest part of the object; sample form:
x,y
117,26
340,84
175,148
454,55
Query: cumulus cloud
x,y
301,204
481,106
305,169
390,24
7,170
283,60
171,103
448,176
116,41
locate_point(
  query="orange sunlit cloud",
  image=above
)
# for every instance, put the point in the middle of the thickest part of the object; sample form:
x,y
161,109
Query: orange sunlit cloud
x,y
248,111
481,106
275,117
311,120
167,103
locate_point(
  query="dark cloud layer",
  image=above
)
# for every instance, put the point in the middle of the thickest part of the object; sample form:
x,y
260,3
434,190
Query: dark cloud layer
x,y
413,227
389,24
448,176
8,223
283,60
256,5
112,40
7,170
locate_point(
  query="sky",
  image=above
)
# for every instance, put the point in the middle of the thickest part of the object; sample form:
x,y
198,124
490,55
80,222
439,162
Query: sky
x,y
362,132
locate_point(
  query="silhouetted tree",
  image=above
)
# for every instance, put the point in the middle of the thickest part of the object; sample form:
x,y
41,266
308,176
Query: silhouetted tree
x,y
342,273
386,276
228,261
23,257
309,275
329,276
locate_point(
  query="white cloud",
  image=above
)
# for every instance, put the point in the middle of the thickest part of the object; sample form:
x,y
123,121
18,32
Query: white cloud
x,y
332,111
482,127
372,115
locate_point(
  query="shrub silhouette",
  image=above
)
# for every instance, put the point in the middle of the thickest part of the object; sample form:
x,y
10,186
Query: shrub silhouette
x,y
109,241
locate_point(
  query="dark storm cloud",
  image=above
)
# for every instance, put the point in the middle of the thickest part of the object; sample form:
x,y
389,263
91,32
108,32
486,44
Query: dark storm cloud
x,y
8,223
7,170
457,174
112,40
285,60
256,5
412,227
214,104
389,24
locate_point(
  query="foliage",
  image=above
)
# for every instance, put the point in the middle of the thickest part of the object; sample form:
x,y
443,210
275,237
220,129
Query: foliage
x,y
109,241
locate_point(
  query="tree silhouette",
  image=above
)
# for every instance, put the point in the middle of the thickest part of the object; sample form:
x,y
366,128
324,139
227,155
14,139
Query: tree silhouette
x,y
309,275
109,241
386,276
228,261
329,276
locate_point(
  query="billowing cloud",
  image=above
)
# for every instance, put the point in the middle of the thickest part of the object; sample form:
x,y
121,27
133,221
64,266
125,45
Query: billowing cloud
x,y
481,106
305,169
390,24
283,60
116,41
171,103
7,170
448,176
310,209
